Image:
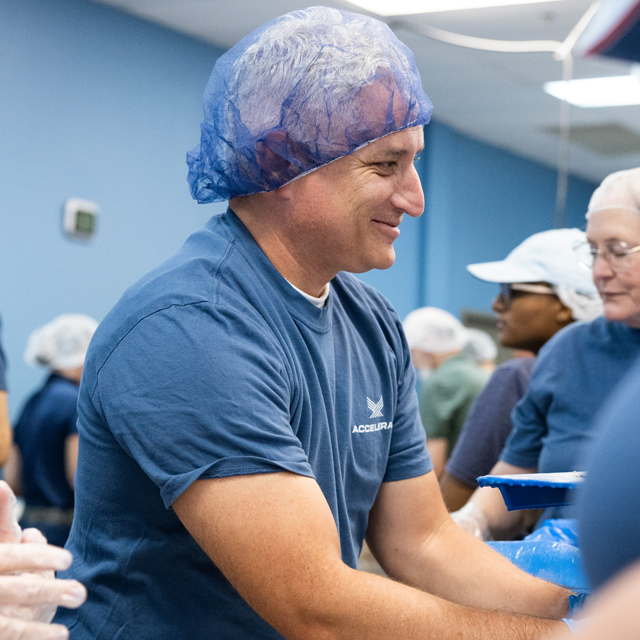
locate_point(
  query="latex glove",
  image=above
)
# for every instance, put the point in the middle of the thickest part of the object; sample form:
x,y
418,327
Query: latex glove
x,y
574,625
472,519
29,591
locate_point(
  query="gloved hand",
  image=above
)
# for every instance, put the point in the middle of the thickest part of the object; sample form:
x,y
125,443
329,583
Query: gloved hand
x,y
472,519
29,591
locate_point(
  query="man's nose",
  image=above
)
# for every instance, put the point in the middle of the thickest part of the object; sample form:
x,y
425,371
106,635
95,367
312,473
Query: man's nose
x,y
409,195
498,304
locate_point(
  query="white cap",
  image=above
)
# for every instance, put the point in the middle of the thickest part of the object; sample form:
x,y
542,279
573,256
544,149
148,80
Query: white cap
x,y
619,190
62,343
434,330
549,256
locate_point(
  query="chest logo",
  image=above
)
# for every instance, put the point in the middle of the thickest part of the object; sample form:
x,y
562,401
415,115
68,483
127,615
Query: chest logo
x,y
375,408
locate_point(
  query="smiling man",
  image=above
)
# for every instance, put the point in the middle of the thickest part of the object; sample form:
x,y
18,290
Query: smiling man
x,y
248,412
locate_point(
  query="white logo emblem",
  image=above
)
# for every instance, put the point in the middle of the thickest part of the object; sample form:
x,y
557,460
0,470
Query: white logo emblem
x,y
375,408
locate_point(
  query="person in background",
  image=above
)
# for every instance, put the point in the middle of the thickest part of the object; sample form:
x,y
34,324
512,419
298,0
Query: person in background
x,y
29,591
580,366
481,349
450,381
43,460
608,512
528,315
5,425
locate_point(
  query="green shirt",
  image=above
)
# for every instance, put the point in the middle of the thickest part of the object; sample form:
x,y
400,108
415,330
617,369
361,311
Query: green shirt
x,y
447,395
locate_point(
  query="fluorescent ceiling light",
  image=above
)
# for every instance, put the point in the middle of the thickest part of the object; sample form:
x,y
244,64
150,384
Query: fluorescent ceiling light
x,y
615,91
404,7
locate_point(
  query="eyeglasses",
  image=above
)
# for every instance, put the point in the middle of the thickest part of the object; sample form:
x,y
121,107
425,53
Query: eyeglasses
x,y
615,252
509,291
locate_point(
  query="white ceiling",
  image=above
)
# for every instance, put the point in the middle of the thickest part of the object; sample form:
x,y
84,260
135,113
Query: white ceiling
x,y
495,97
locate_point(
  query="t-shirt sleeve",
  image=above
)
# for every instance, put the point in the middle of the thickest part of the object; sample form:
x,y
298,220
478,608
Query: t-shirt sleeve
x,y
526,439
488,425
408,454
194,392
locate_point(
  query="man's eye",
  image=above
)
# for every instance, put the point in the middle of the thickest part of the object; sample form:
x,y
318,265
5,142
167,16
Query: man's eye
x,y
387,166
415,160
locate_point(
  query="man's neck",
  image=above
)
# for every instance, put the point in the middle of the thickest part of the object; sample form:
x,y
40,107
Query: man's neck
x,y
268,227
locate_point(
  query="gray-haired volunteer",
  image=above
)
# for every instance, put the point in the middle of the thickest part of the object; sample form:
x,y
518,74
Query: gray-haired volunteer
x,y
243,423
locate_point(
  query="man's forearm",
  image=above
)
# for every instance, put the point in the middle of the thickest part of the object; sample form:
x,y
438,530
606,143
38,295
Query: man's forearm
x,y
370,607
490,581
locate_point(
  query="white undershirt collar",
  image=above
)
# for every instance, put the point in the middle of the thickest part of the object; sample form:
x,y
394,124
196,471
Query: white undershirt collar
x,y
317,302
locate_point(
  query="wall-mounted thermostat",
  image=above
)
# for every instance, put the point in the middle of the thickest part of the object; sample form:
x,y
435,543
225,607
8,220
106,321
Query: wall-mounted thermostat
x,y
80,217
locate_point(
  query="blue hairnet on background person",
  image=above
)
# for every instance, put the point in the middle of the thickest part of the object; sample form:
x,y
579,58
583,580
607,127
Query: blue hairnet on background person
x,y
302,90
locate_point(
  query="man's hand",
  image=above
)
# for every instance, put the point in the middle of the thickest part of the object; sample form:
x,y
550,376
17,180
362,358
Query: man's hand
x,y
29,591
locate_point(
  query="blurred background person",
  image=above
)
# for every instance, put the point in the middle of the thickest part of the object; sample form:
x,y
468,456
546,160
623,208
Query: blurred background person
x,y
543,288
608,514
449,380
579,367
44,456
5,425
481,349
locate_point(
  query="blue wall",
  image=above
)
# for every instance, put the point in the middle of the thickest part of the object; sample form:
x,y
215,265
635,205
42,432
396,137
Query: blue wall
x,y
99,105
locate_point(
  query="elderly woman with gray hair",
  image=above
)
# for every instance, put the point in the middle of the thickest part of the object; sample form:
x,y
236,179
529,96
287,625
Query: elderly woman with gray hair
x,y
580,366
45,453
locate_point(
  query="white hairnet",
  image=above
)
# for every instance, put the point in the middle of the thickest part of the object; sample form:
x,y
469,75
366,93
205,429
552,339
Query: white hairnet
x,y
434,330
619,190
61,343
480,346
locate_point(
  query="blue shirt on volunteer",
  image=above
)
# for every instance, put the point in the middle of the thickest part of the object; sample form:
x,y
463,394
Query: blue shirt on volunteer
x,y
575,372
47,419
488,423
213,365
608,508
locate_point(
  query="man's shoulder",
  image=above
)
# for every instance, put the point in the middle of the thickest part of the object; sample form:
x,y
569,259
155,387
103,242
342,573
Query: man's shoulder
x,y
207,268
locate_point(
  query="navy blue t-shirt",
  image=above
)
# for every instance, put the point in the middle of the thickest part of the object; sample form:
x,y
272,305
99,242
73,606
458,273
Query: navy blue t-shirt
x,y
211,366
47,419
488,423
609,501
575,372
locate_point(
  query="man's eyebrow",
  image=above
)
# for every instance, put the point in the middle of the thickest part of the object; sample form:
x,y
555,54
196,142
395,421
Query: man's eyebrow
x,y
398,153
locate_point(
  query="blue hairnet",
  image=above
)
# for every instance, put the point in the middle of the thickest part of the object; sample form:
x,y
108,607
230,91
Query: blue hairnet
x,y
302,90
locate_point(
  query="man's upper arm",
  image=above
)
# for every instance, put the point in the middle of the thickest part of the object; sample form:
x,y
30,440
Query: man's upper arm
x,y
273,537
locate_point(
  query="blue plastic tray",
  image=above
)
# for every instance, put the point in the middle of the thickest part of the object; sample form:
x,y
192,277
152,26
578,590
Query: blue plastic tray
x,y
534,490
